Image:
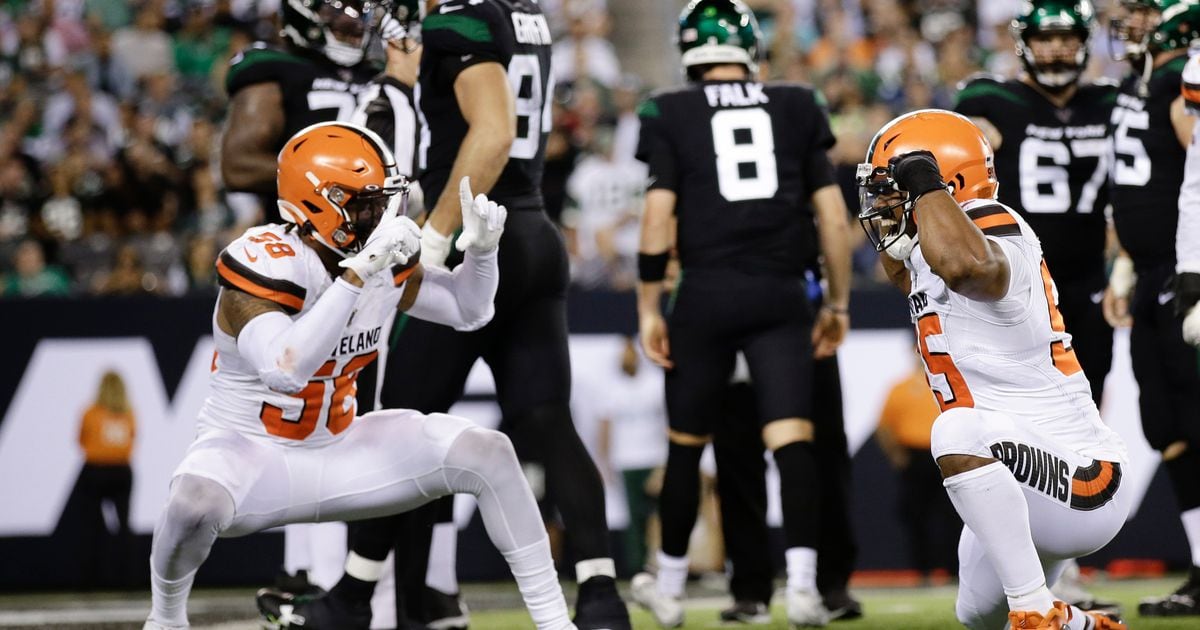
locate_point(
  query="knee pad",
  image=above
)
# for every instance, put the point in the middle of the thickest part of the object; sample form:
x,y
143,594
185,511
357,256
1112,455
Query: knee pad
x,y
199,504
487,454
961,431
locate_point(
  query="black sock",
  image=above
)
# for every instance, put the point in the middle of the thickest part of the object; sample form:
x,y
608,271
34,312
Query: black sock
x,y
1184,471
800,494
680,498
353,591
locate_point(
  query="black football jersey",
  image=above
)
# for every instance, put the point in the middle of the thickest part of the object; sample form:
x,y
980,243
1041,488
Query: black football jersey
x,y
1052,165
458,35
1147,167
314,88
743,159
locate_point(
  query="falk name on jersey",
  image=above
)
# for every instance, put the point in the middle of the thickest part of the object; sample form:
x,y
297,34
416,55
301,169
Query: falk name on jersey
x,y
460,34
743,158
1052,165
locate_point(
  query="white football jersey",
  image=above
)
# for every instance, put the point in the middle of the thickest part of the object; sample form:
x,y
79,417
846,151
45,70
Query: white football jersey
x,y
273,263
1013,355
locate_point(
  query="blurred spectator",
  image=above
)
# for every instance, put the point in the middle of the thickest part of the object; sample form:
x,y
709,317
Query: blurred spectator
x,y
201,273
106,437
31,276
144,48
626,97
633,431
607,198
96,113
584,51
931,524
128,276
109,15
199,45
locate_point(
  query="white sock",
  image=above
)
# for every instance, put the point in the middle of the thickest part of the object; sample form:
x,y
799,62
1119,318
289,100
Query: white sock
x,y
672,574
362,568
1191,526
801,569
168,599
991,503
588,569
443,555
533,568
297,547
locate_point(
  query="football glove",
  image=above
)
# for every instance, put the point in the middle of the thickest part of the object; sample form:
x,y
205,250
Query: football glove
x,y
1122,278
483,221
1187,294
393,242
435,246
916,173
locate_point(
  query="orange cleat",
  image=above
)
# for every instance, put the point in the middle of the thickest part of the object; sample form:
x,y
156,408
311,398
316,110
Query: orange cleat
x,y
1031,619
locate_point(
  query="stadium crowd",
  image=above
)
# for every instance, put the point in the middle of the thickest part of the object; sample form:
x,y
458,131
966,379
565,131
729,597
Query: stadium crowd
x,y
111,112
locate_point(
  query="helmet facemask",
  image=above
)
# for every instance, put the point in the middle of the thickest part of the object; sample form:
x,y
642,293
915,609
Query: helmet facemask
x,y
1049,59
1130,34
362,210
885,212
342,30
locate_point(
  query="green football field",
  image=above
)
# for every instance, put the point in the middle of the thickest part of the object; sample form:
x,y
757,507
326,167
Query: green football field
x,y
497,606
891,609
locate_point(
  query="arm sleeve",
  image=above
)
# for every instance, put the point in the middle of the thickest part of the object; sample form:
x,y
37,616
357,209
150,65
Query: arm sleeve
x,y
463,299
654,147
286,352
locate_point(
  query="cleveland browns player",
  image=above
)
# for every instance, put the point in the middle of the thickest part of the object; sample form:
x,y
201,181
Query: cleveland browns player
x,y
300,314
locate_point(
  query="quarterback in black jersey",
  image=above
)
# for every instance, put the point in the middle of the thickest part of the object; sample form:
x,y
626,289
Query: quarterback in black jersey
x,y
1150,131
1049,131
275,92
735,166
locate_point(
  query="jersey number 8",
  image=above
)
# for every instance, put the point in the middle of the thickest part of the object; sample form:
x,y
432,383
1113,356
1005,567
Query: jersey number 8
x,y
745,148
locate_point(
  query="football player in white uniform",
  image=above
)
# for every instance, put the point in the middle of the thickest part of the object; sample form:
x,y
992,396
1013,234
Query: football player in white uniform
x,y
1027,462
300,313
1187,238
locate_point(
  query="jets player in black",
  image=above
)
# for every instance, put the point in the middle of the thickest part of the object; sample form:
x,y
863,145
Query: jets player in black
x,y
483,92
1150,131
275,92
735,163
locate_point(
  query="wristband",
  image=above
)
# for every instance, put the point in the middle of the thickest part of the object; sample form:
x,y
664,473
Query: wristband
x,y
836,310
652,267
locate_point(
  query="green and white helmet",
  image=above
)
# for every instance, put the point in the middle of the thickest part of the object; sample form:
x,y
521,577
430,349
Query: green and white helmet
x,y
719,31
1038,17
1175,24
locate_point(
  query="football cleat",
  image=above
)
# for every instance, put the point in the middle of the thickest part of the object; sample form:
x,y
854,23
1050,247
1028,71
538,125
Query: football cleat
x,y
747,612
1105,621
284,611
1055,619
1185,601
443,611
1070,589
598,606
667,611
806,610
842,606
297,584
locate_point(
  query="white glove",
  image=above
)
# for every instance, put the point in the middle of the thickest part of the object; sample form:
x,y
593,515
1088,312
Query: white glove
x,y
1122,278
1191,326
391,29
393,242
435,246
483,220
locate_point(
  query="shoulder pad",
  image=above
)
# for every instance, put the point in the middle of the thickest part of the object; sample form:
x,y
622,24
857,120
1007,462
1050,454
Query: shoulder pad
x,y
260,64
267,262
464,27
980,78
1191,86
992,217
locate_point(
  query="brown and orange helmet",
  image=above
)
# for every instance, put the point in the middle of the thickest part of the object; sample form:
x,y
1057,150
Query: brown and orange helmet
x,y
963,154
336,180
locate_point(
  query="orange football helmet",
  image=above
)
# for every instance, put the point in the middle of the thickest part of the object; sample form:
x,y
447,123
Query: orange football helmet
x,y
335,182
964,157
